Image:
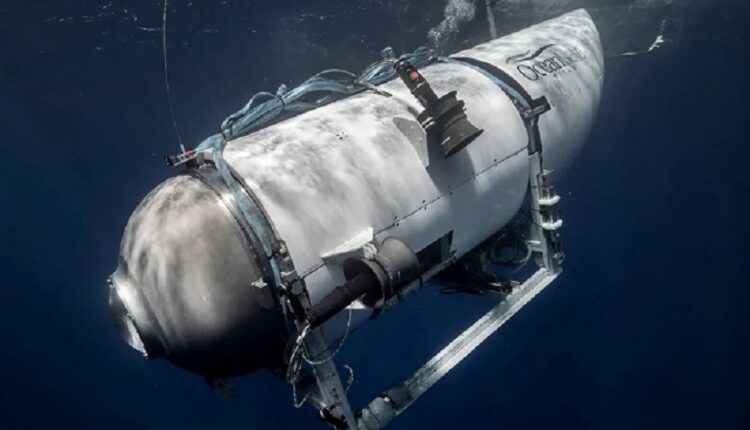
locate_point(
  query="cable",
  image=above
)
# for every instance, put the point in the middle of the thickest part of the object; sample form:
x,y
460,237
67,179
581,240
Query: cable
x,y
350,380
298,404
338,349
295,358
264,107
298,356
166,76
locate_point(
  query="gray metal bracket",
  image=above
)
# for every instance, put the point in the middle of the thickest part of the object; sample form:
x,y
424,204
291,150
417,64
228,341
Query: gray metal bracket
x,y
330,393
545,240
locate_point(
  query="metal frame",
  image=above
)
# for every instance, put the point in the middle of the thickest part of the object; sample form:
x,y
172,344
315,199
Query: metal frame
x,y
398,398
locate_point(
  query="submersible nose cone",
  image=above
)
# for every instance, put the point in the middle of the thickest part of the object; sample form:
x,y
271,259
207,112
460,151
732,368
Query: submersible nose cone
x,y
185,288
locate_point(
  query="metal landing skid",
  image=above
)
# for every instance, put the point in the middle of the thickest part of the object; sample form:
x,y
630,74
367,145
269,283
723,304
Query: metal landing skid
x,y
397,399
328,394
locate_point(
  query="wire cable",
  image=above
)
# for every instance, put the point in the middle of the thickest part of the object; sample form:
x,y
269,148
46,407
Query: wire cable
x,y
298,356
166,76
338,349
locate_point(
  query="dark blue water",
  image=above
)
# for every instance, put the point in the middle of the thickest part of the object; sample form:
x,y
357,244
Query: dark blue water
x,y
649,326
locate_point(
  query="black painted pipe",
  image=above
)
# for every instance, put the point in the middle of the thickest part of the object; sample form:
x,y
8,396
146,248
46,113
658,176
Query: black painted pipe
x,y
338,299
380,278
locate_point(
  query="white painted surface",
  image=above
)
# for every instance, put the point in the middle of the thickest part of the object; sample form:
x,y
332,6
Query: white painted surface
x,y
329,174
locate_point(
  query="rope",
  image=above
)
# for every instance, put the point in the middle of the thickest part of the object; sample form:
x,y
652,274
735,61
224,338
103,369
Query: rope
x,y
295,358
166,76
318,90
338,349
298,404
298,356
350,379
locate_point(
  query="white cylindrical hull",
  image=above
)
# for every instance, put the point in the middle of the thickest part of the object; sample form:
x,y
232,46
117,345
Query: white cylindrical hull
x,y
329,175
194,282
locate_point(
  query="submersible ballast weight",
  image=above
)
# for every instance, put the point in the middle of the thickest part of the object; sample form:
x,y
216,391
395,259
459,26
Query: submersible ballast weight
x,y
444,119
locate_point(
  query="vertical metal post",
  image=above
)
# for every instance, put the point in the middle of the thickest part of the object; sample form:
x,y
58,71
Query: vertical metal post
x,y
545,235
330,388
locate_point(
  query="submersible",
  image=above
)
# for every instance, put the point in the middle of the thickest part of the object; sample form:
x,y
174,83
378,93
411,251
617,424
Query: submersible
x,y
273,248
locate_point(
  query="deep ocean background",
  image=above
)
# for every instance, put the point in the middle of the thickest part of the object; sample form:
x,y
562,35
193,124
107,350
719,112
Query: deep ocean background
x,y
648,327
